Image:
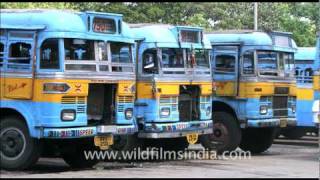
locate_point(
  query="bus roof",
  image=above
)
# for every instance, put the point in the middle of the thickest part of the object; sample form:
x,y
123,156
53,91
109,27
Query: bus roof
x,y
165,35
247,37
53,20
305,53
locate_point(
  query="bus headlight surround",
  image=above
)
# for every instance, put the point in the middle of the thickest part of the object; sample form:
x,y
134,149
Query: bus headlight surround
x,y
68,115
128,113
165,112
263,109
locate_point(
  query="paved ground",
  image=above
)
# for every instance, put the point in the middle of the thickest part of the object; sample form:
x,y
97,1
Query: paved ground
x,y
298,159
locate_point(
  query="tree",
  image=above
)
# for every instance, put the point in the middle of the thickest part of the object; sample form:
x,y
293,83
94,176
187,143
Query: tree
x,y
302,19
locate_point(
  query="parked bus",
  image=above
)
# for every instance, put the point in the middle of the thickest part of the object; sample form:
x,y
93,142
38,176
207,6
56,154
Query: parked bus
x,y
305,67
174,89
316,85
255,87
67,83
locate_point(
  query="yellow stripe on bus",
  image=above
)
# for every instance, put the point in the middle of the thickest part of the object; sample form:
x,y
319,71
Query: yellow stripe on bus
x,y
144,89
21,88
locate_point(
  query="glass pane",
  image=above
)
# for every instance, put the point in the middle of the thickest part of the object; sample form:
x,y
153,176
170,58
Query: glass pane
x,y
150,62
20,52
1,53
79,49
202,58
248,63
120,52
102,51
189,36
103,25
267,63
172,58
49,54
225,63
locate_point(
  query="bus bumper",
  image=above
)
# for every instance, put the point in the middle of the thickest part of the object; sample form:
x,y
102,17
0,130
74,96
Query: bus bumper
x,y
276,122
91,131
174,130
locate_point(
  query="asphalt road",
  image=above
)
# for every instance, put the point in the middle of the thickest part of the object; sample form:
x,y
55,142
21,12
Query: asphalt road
x,y
285,159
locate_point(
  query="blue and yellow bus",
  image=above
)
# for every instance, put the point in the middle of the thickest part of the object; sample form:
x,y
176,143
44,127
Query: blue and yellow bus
x,y
316,85
67,84
255,89
174,89
305,67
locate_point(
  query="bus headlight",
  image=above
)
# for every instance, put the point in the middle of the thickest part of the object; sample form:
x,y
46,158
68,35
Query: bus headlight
x,y
208,111
263,109
165,112
128,113
293,108
68,115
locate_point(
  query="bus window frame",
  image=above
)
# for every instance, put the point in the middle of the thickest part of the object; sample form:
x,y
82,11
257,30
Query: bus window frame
x,y
255,70
60,41
3,39
61,55
277,63
13,39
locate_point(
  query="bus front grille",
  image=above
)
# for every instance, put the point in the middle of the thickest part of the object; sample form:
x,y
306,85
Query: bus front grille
x,y
280,106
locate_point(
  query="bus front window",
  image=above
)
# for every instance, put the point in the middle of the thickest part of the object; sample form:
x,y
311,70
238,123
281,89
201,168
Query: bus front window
x,y
79,55
120,52
267,63
79,49
202,58
288,62
172,58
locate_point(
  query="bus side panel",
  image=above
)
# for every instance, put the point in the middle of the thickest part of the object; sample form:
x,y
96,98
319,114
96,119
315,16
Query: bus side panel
x,y
26,109
18,88
305,98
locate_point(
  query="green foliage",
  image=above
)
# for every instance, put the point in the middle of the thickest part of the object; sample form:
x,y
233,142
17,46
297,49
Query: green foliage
x,y
302,19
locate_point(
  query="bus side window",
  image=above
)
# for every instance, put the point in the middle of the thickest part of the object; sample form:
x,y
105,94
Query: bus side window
x,y
150,64
19,56
1,53
49,54
248,63
225,64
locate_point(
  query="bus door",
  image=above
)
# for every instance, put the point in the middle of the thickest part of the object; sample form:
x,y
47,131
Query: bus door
x,y
19,72
225,69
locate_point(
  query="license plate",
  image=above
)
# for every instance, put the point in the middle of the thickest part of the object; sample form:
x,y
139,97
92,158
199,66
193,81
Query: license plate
x,y
283,123
103,141
192,138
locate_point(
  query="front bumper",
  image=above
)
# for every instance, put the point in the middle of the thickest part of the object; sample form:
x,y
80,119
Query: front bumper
x,y
274,122
91,131
174,130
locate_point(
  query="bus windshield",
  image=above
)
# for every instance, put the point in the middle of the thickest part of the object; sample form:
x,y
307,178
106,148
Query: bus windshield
x,y
93,55
273,63
174,58
288,63
202,58
267,63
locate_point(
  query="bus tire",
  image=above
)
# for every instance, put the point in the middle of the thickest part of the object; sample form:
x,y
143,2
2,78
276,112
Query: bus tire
x,y
226,132
293,133
257,140
75,156
18,149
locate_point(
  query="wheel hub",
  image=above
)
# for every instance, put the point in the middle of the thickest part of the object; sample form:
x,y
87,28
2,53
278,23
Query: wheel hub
x,y
220,133
12,143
